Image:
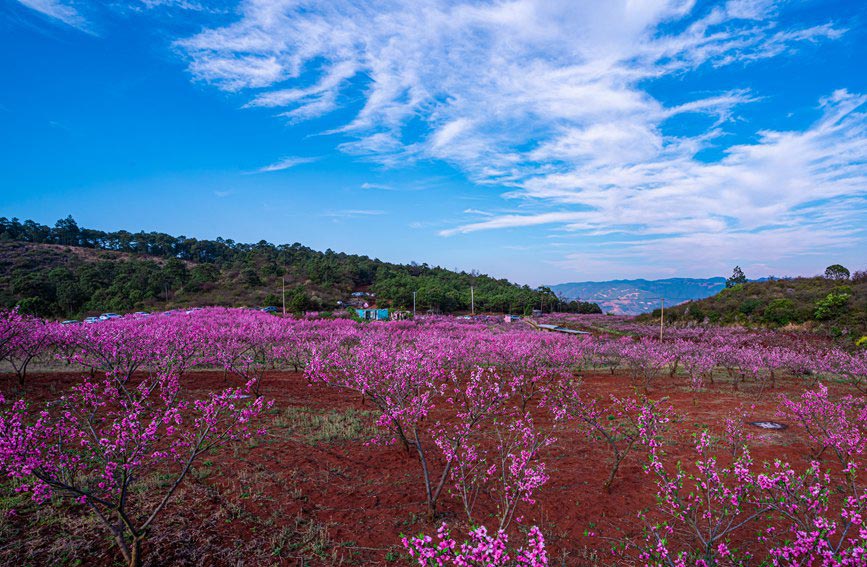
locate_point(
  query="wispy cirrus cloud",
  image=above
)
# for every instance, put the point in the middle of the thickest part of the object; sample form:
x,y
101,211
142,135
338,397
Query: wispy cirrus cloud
x,y
378,186
181,4
353,213
286,163
550,101
61,10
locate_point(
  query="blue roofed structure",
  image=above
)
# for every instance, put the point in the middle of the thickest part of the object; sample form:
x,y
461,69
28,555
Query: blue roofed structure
x,y
373,314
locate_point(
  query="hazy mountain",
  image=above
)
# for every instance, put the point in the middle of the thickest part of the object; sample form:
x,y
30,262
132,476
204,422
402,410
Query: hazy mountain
x,y
632,297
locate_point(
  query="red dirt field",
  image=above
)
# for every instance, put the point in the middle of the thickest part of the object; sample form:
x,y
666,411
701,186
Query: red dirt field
x,y
314,492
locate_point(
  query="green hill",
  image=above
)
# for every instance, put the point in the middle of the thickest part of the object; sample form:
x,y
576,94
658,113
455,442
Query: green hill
x,y
837,307
67,270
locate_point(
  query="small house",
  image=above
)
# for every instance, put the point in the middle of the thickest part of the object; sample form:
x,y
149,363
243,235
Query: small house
x,y
373,314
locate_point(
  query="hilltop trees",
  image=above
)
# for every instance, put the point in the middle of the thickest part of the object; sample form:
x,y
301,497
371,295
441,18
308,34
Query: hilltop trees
x,y
736,278
137,270
833,306
836,272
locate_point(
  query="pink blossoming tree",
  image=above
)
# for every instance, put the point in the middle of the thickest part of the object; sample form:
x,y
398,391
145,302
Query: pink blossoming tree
x,y
97,445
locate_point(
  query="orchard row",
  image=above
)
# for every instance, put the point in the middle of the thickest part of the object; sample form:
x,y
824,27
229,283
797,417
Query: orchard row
x,y
249,343
477,405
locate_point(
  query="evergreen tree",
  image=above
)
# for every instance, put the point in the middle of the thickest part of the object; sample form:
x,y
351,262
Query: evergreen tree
x,y
736,278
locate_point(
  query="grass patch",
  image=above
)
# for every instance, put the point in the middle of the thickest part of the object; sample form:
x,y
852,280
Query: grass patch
x,y
326,426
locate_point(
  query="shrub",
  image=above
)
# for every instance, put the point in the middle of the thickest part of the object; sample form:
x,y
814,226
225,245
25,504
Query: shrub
x,y
696,313
780,312
831,306
748,306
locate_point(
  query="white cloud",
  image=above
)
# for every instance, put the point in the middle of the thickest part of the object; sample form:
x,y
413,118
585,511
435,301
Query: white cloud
x,y
379,186
353,213
550,100
182,4
514,221
286,163
63,11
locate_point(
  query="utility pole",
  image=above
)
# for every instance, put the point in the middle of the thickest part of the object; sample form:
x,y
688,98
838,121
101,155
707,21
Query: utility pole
x,y
413,304
472,301
661,317
284,295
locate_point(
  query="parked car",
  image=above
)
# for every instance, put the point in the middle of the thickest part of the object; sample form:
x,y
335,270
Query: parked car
x,y
269,309
70,322
107,316
141,314
91,320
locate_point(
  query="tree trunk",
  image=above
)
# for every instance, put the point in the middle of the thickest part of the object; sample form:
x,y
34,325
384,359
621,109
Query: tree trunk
x,y
610,480
124,547
135,553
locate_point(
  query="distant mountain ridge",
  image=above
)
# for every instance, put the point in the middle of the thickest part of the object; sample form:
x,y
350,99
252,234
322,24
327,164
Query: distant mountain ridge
x,y
633,297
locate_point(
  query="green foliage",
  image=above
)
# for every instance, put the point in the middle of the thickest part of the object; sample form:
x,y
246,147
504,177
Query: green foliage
x,y
250,277
734,288
777,302
100,271
696,313
353,314
831,306
298,301
33,305
862,342
749,306
836,272
780,312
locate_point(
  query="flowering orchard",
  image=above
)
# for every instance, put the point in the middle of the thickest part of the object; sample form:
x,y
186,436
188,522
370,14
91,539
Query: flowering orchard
x,y
481,413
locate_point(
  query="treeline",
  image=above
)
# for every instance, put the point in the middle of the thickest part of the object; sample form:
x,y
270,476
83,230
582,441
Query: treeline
x,y
67,270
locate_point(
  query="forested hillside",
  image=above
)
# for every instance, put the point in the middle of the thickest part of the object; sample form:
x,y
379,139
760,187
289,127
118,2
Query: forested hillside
x,y
67,270
835,304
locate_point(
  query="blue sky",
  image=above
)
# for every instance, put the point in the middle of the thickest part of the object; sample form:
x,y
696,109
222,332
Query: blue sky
x,y
540,141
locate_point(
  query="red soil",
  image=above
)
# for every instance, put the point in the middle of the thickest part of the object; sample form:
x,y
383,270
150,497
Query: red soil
x,y
347,502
